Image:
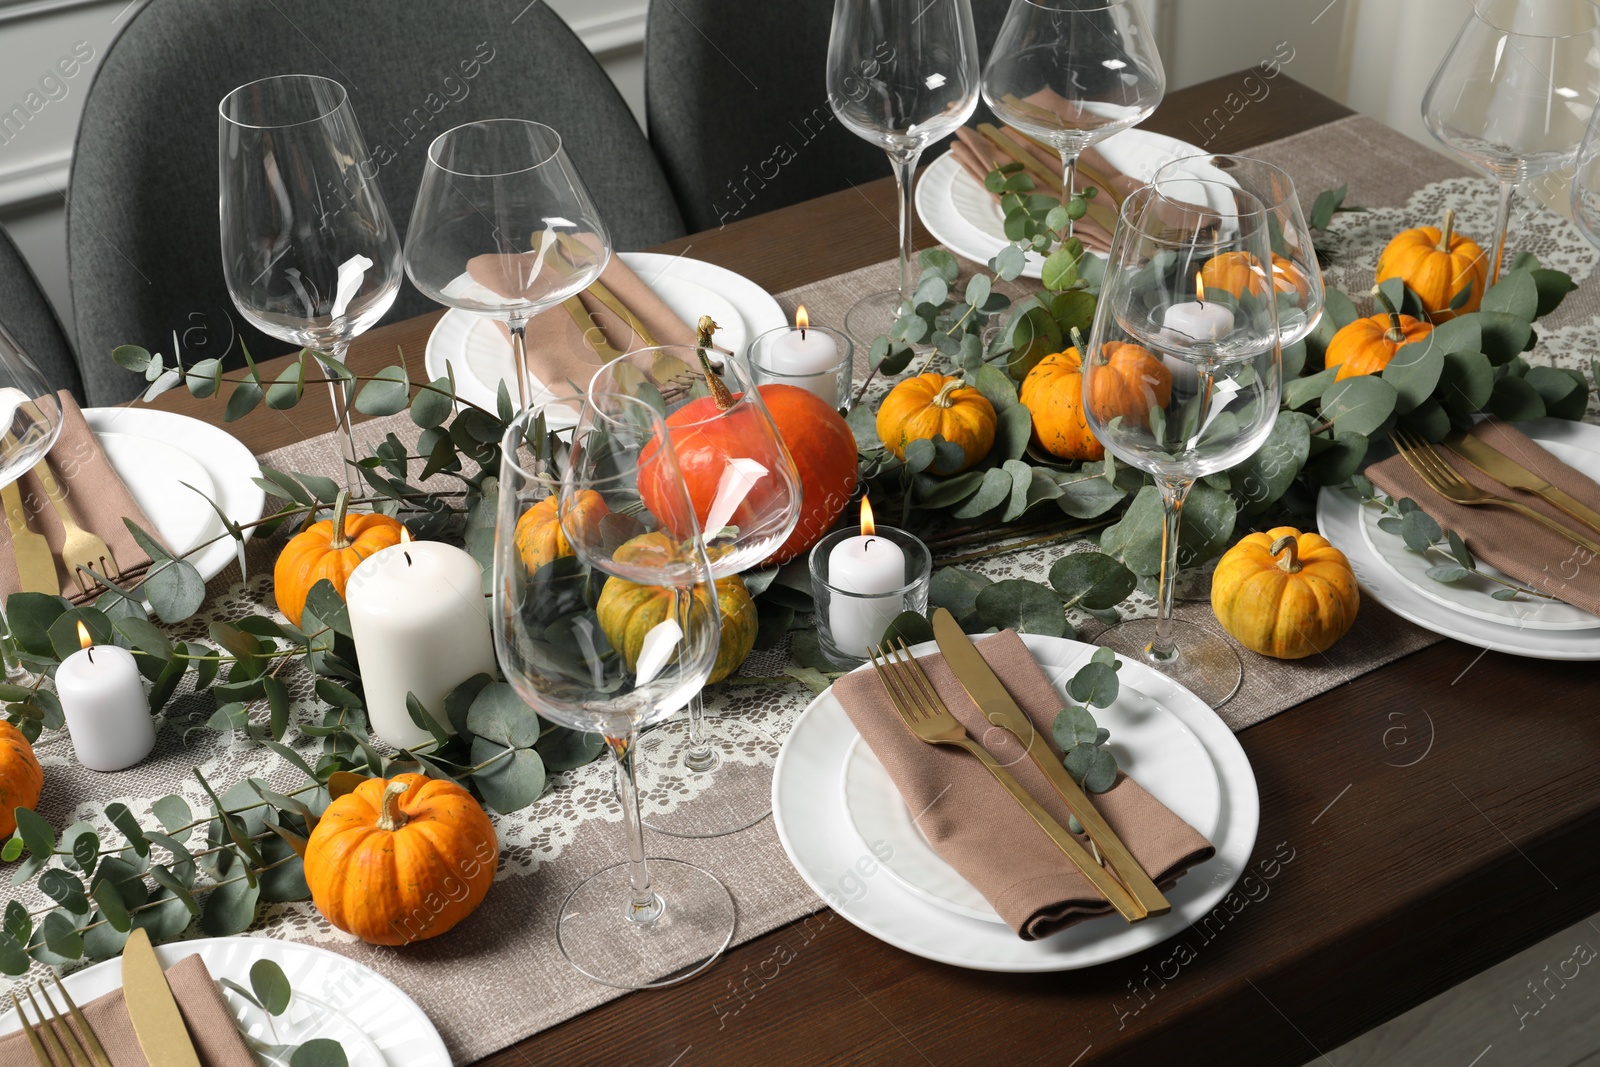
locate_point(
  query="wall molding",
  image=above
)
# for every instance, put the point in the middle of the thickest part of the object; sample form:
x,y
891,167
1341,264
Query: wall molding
x,y
12,10
34,180
605,34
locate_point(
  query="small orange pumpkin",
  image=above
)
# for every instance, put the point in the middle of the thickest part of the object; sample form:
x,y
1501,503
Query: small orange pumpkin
x,y
539,537
330,549
1366,346
402,860
21,778
932,405
1437,265
1053,394
1238,273
1284,593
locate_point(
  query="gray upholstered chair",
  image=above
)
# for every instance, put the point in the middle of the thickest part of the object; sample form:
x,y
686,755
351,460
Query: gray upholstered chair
x,y
142,230
737,100
27,316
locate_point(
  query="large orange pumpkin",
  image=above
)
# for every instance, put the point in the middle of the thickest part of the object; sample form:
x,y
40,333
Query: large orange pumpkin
x,y
932,405
539,537
1238,273
402,860
21,778
1284,593
330,549
1437,265
1366,346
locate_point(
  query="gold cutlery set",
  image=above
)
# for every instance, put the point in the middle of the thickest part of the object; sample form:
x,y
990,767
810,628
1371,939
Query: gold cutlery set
x,y
36,565
1112,870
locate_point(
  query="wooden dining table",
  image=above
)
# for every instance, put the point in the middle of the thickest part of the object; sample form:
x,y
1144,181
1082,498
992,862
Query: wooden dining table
x,y
1418,824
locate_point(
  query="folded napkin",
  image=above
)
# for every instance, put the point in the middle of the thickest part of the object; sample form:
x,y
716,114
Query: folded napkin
x,y
1529,552
972,821
96,498
560,351
205,1015
977,155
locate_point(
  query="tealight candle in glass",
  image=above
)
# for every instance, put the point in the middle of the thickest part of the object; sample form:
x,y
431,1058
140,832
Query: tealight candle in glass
x,y
861,581
818,359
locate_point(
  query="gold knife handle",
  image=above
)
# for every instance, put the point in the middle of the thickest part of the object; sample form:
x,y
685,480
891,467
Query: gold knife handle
x,y
1127,906
620,310
16,515
591,330
1571,507
53,490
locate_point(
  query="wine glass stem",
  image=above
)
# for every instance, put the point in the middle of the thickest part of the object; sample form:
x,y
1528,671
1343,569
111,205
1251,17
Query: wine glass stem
x,y
1173,493
519,356
1502,226
644,905
905,172
700,757
340,392
1069,179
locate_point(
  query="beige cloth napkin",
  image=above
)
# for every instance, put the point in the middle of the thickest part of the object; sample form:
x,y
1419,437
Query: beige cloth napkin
x,y
1522,548
205,1015
974,823
561,351
96,498
977,156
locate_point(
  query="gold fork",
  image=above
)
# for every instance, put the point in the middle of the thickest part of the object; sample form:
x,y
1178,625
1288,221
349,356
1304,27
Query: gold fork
x,y
1448,483
49,1047
80,548
926,715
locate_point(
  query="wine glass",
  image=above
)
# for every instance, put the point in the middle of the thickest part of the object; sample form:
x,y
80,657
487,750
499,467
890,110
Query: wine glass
x,y
308,249
901,74
30,420
1514,94
1071,73
746,494
503,226
648,921
1585,188
1181,382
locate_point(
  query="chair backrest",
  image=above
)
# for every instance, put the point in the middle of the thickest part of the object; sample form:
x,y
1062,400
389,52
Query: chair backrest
x,y
737,100
142,230
26,314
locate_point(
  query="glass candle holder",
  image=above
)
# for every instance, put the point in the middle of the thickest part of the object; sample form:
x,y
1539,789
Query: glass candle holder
x,y
861,582
818,359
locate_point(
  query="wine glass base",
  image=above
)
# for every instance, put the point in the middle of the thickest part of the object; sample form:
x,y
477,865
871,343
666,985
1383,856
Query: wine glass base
x,y
871,316
1206,665
729,792
691,926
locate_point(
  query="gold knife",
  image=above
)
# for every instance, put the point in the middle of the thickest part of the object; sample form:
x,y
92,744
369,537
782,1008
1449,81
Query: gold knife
x,y
154,1014
1502,468
994,700
36,565
580,315
599,290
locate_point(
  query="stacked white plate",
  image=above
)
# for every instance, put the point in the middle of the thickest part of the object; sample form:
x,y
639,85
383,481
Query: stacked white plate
x,y
1396,577
851,837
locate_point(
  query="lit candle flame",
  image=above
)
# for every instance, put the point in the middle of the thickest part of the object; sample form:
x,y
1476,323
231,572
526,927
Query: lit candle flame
x,y
1199,289
802,321
84,640
867,528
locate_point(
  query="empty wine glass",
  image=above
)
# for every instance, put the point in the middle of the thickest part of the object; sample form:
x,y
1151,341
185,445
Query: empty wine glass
x,y
1585,189
1071,73
1181,382
648,921
1514,94
308,249
503,226
746,494
30,422
901,74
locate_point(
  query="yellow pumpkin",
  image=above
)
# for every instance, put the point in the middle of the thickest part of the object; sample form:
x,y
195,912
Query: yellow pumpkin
x,y
330,549
1366,346
539,537
1284,593
1238,273
932,405
403,860
1438,265
628,611
21,778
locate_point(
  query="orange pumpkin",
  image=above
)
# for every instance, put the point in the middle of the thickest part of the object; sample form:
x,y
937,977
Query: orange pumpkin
x,y
539,537
21,778
932,405
1438,265
1284,593
403,860
1366,346
1239,273
330,549
1053,394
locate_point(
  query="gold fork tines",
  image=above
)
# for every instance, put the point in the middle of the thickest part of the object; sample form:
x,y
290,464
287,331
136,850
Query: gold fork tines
x,y
924,712
1445,480
54,1040
94,1049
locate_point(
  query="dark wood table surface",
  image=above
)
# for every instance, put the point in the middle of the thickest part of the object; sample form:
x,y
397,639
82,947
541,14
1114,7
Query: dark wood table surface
x,y
1418,824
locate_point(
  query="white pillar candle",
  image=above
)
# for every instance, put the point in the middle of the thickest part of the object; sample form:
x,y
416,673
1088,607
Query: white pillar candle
x,y
810,357
103,700
1196,320
864,564
421,626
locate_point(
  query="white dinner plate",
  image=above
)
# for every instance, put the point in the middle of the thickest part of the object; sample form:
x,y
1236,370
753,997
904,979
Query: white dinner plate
x,y
966,219
480,355
1339,519
1152,745
140,441
817,832
336,998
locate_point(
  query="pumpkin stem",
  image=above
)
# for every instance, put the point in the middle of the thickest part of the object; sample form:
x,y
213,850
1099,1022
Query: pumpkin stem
x,y
1396,332
719,391
341,505
941,399
1290,563
390,817
1446,229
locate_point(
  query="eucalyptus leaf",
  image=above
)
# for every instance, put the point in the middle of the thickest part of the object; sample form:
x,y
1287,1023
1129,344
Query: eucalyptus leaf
x,y
387,393
1514,400
1448,572
1096,684
908,626
1092,580
1074,726
563,749
1024,606
1362,404
229,908
1414,371
512,779
175,589
994,491
1419,530
1263,477
319,1052
270,986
